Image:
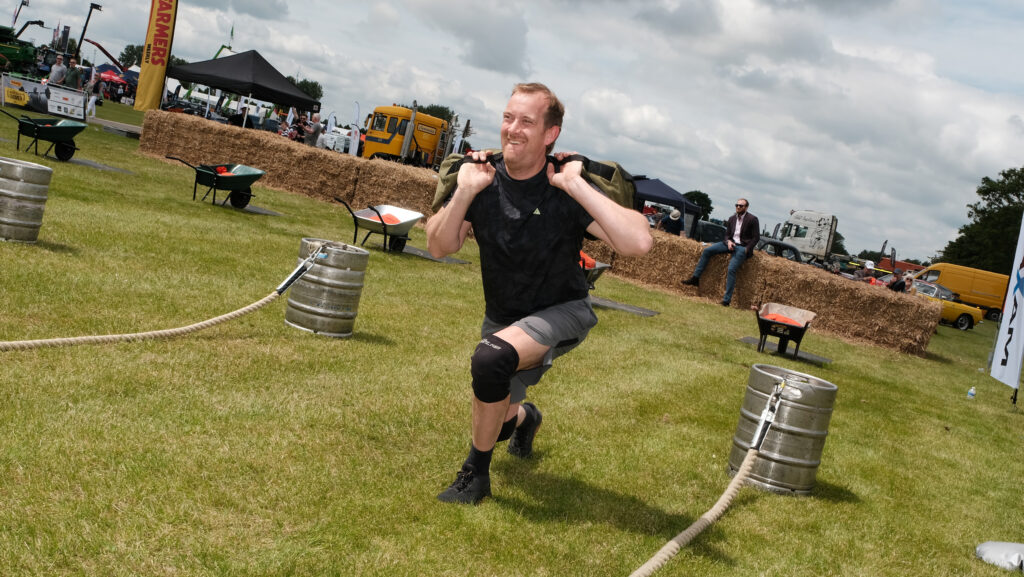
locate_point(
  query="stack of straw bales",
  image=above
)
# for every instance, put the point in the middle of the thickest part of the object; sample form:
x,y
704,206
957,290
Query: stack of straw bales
x,y
852,310
290,166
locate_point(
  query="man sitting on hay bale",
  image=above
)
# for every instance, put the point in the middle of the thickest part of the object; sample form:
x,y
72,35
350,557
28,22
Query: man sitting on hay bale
x,y
741,235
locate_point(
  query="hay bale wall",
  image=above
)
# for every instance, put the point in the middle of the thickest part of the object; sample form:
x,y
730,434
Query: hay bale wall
x,y
849,309
290,166
845,308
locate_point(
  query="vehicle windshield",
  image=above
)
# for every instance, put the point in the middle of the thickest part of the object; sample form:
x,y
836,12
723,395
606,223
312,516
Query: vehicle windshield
x,y
924,288
934,290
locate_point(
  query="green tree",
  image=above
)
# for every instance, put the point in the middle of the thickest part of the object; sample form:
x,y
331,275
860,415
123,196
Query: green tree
x,y
839,244
178,61
312,88
436,110
702,200
987,242
872,255
131,55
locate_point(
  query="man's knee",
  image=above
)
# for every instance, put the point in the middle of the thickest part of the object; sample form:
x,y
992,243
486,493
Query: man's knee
x,y
493,364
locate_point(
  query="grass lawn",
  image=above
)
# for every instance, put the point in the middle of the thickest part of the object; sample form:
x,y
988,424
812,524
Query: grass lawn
x,y
254,448
118,112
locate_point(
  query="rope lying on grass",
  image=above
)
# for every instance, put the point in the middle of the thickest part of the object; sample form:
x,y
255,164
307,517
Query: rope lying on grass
x,y
681,540
304,266
135,337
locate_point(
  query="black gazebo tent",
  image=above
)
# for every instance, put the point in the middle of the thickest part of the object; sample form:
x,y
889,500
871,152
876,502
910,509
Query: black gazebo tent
x,y
654,190
247,73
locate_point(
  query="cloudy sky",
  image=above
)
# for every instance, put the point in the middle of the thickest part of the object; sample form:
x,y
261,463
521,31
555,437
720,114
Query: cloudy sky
x,y
886,113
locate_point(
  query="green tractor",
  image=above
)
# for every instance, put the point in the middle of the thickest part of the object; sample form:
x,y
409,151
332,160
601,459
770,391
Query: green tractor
x,y
17,55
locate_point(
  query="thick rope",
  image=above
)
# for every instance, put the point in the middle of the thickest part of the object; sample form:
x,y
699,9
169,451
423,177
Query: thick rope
x,y
135,337
681,540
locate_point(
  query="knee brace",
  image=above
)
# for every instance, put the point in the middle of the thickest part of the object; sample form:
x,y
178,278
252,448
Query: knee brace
x,y
493,364
507,428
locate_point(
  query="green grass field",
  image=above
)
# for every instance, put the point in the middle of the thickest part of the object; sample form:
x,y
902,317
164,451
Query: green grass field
x,y
254,448
118,112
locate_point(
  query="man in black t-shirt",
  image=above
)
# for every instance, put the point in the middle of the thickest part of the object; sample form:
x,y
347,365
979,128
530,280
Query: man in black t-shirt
x,y
529,221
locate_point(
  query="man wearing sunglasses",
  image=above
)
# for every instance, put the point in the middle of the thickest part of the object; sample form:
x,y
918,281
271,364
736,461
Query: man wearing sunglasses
x,y
741,235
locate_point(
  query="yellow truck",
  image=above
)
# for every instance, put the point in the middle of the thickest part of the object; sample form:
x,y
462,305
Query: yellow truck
x,y
406,135
981,288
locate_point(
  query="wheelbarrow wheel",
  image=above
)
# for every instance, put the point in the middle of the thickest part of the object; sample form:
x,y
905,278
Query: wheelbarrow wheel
x,y
396,243
240,198
64,150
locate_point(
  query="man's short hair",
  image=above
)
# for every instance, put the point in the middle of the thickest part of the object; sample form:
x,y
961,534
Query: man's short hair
x,y
555,111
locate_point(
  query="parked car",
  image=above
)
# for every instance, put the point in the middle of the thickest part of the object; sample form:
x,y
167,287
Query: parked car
x,y
959,315
774,247
709,232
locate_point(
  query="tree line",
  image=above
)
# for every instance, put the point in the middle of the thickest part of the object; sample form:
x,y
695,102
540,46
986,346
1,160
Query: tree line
x,y
989,240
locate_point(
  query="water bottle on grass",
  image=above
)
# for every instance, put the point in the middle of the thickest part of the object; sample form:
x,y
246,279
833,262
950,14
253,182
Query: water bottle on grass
x,y
971,392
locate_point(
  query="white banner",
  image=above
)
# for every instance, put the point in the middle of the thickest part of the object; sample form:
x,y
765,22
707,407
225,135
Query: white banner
x,y
353,137
34,95
1009,352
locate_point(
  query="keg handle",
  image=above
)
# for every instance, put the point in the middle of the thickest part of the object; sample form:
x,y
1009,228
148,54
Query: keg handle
x,y
304,266
767,415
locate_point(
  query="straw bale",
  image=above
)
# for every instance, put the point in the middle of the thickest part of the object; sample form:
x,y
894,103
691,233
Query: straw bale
x,y
386,182
290,166
845,308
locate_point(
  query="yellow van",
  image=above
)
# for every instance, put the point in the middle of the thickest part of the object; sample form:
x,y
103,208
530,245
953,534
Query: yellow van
x,y
390,136
981,288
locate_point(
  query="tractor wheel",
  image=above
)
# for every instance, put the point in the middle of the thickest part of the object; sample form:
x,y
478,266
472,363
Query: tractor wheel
x,y
240,198
964,322
64,150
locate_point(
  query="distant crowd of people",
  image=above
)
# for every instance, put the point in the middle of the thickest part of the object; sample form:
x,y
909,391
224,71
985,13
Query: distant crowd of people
x,y
304,130
900,281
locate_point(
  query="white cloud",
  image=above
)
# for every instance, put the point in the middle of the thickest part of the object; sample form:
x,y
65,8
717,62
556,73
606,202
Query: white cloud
x,y
885,112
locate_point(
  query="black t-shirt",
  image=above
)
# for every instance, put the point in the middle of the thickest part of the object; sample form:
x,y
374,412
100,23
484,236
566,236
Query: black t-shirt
x,y
530,236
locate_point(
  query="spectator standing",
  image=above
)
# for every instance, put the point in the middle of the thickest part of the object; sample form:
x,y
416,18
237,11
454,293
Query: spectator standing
x,y
73,77
672,222
299,128
57,71
909,279
897,284
313,133
741,235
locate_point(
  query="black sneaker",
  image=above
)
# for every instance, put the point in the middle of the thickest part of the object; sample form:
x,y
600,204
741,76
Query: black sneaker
x,y
468,488
521,443
692,281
